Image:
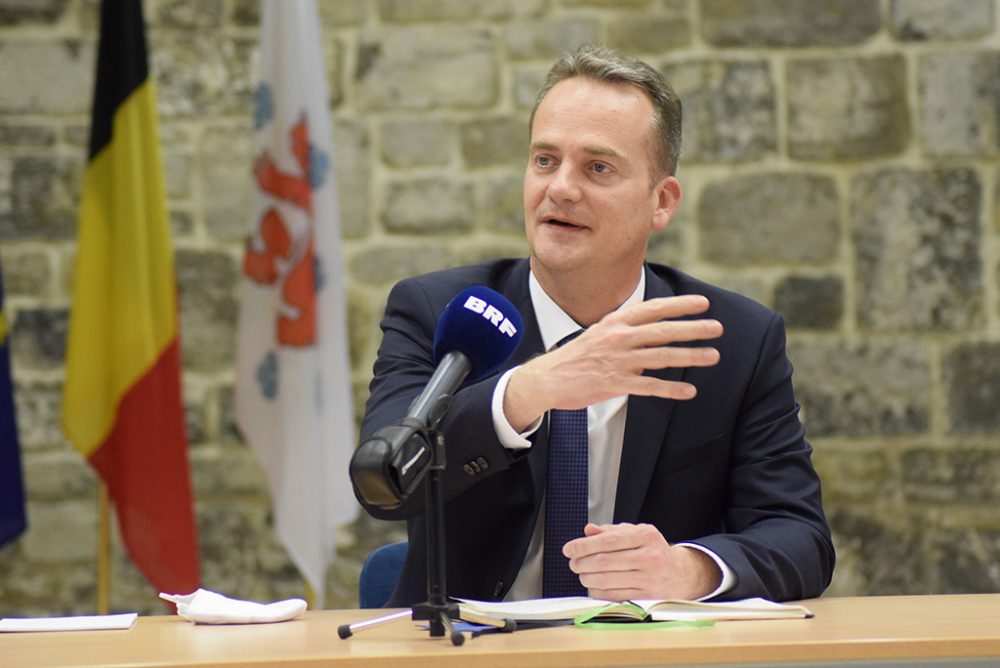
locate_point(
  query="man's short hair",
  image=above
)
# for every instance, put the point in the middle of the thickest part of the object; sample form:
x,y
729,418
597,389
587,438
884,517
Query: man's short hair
x,y
610,66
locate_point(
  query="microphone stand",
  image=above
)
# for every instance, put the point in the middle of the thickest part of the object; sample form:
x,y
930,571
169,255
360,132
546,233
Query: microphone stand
x,y
437,610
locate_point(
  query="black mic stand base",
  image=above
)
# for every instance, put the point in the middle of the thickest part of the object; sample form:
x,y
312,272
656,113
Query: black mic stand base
x,y
436,610
441,621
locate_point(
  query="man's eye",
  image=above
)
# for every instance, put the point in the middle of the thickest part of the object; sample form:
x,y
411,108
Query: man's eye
x,y
543,161
600,167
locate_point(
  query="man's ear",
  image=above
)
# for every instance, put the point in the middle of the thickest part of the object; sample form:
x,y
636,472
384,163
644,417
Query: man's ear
x,y
668,198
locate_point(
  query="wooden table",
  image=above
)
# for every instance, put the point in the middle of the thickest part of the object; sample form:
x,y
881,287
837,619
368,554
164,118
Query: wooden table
x,y
900,628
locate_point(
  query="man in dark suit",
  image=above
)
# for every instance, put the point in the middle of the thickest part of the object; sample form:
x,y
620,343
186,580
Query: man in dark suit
x,y
700,479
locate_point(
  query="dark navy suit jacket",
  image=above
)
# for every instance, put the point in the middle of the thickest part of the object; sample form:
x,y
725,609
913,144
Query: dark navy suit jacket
x,y
729,470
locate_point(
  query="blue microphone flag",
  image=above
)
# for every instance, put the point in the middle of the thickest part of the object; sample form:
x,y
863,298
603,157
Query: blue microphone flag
x,y
481,324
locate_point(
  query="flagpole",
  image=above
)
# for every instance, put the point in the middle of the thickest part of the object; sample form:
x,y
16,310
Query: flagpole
x,y
103,549
310,594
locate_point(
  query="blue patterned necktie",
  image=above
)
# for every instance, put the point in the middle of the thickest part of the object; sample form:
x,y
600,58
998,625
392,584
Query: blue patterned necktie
x,y
565,497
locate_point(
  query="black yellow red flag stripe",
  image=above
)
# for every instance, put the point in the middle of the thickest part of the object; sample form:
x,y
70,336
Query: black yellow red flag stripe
x,y
122,406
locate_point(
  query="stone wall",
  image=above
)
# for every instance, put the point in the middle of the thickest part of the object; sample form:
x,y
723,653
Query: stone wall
x,y
840,165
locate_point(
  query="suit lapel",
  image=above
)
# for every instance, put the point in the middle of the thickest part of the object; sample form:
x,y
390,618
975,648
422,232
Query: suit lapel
x,y
645,427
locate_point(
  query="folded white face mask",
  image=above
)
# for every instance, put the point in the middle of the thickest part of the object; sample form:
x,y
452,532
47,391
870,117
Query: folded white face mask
x,y
207,607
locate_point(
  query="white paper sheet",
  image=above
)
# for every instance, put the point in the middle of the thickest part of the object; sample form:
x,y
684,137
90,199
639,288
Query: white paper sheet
x,y
79,623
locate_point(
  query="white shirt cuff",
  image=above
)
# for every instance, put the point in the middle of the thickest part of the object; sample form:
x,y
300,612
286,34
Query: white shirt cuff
x,y
505,433
728,576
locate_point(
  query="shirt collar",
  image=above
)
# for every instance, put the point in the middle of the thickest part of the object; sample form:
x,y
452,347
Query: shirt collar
x,y
554,323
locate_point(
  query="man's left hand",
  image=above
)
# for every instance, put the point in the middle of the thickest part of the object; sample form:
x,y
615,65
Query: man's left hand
x,y
619,562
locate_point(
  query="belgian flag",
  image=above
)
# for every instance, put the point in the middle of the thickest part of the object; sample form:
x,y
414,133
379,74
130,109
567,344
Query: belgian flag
x,y
122,406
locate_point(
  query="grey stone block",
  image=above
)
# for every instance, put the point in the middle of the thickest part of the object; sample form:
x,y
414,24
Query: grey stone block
x,y
769,218
66,67
77,135
343,13
39,408
617,4
872,388
924,20
527,80
847,108
186,14
208,283
362,329
407,11
228,193
500,204
383,263
495,142
40,199
880,551
23,12
61,531
782,23
855,473
196,418
966,560
649,32
473,254
951,475
226,471
958,96
423,68
181,224
428,205
32,589
810,302
729,109
57,475
417,143
353,166
22,134
246,13
38,337
26,272
178,172
917,238
548,39
200,76
972,388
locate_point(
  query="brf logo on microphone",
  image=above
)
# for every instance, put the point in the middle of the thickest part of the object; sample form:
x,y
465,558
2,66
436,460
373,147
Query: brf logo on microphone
x,y
493,314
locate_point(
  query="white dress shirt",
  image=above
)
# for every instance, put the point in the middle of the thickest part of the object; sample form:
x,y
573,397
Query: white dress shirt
x,y
606,434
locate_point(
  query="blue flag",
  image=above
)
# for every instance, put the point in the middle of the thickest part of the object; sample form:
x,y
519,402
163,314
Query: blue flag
x,y
12,516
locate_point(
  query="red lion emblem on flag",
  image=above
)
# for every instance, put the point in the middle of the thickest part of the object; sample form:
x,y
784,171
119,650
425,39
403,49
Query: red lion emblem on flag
x,y
280,252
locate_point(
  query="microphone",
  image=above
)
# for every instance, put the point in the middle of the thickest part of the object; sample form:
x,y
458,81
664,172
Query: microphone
x,y
477,332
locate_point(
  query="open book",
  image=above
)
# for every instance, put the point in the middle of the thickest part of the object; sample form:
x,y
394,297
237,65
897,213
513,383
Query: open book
x,y
655,610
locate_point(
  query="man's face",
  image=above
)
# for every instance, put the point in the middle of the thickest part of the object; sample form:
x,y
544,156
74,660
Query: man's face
x,y
588,198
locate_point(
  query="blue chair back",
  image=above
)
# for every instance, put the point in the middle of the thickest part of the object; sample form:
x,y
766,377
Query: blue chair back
x,y
380,573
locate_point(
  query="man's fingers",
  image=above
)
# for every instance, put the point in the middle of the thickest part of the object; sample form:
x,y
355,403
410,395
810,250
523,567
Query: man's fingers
x,y
675,331
609,538
662,358
665,389
652,310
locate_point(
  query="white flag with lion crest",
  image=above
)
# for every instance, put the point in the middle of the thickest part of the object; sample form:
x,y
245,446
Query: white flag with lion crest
x,y
293,394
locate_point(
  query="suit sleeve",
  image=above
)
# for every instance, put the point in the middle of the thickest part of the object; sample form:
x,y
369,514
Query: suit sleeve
x,y
776,537
404,365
